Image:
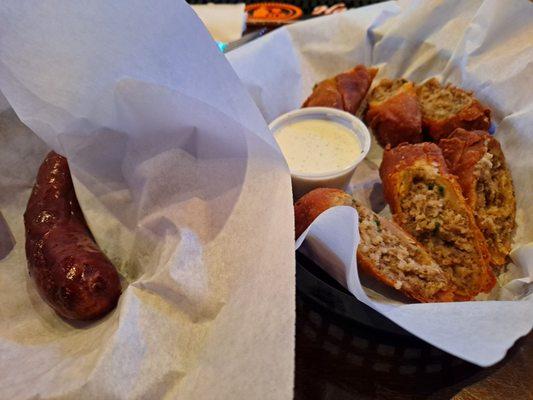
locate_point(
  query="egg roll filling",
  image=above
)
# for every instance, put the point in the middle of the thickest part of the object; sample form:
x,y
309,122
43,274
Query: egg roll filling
x,y
438,102
494,208
397,257
442,227
386,89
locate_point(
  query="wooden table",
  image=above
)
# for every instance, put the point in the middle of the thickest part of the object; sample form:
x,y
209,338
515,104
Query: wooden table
x,y
338,360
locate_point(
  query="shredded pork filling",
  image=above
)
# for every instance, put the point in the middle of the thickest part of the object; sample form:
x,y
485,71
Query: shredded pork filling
x,y
439,226
386,89
494,207
439,102
399,258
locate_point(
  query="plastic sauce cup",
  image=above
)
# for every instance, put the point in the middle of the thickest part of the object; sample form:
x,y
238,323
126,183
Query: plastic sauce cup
x,y
303,182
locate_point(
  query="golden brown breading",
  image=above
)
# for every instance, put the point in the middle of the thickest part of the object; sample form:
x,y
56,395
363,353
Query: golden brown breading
x,y
393,113
446,108
345,91
428,203
385,251
476,158
314,203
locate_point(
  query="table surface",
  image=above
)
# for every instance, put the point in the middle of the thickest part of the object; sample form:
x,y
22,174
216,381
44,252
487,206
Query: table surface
x,y
338,359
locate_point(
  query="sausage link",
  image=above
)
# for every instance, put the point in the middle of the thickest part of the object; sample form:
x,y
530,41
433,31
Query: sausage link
x,y
71,273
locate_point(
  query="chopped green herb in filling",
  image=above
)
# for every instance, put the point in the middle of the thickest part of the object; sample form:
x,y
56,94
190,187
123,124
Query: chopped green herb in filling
x,y
442,228
378,224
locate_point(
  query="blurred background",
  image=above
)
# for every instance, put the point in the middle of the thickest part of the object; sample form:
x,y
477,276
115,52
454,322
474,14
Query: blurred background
x,y
228,20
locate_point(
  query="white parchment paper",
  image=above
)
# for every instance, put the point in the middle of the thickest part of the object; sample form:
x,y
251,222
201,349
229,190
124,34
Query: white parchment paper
x,y
484,46
176,173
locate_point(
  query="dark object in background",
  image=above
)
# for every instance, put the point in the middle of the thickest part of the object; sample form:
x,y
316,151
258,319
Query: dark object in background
x,y
307,6
342,359
7,240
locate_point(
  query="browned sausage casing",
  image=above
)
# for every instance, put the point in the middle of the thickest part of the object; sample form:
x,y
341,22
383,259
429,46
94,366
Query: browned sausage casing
x,y
71,273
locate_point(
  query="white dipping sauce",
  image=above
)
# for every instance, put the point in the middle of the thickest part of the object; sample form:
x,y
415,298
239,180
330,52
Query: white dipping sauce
x,y
317,146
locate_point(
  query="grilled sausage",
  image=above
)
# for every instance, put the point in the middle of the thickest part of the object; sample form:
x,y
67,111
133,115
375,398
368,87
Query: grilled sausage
x,y
71,273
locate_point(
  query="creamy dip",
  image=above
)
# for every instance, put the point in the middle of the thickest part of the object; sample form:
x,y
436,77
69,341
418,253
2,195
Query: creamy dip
x,y
316,146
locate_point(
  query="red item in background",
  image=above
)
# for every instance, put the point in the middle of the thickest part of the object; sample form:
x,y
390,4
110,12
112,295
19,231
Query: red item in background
x,y
272,13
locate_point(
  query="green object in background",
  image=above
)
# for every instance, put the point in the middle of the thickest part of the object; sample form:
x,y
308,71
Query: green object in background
x,y
222,46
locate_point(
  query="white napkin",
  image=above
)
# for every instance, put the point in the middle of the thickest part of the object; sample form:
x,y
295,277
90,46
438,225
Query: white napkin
x,y
225,22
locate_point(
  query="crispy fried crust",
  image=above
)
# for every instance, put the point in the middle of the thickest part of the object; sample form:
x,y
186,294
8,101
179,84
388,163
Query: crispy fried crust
x,y
456,108
345,91
394,114
317,201
325,94
403,156
462,151
472,157
399,170
314,203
